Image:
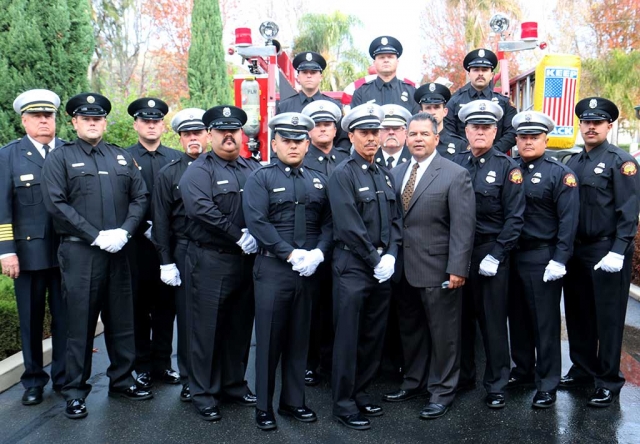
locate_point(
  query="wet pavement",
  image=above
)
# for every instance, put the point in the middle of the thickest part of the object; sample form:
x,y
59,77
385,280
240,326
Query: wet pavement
x,y
165,419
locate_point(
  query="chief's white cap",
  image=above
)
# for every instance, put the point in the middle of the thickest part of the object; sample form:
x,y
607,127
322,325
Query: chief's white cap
x,y
532,122
322,111
365,116
37,101
395,115
188,119
482,112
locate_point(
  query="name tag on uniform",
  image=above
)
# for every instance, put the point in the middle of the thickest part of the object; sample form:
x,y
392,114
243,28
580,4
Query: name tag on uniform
x,y
222,182
77,165
26,177
363,189
103,172
277,190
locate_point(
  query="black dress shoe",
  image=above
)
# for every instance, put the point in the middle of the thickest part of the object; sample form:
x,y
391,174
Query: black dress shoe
x,y
544,400
133,393
210,414
402,395
248,400
168,376
76,409
311,378
466,386
144,380
185,393
302,414
355,421
495,400
433,411
32,396
265,420
601,397
520,381
371,410
568,381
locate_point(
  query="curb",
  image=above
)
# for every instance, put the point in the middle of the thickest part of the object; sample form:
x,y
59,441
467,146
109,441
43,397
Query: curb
x,y
12,367
634,292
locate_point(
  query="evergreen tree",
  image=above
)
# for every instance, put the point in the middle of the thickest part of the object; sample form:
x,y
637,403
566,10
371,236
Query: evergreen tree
x,y
43,44
207,73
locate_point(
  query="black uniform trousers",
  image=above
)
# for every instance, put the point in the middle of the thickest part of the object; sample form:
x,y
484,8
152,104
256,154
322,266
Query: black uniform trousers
x,y
430,326
595,306
485,299
360,313
522,343
95,282
180,294
32,289
540,302
155,309
220,305
321,335
283,317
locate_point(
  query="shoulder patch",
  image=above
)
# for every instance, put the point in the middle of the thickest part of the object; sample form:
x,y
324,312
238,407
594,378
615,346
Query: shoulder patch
x,y
515,176
570,180
629,168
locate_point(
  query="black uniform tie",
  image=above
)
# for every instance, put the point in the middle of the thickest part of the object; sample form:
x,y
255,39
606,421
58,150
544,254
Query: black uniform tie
x,y
106,190
155,166
390,160
331,164
300,219
381,197
240,177
46,149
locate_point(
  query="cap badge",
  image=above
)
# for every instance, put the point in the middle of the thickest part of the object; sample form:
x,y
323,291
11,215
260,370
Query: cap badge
x,y
370,110
481,53
191,116
309,57
432,87
593,103
91,99
151,103
483,107
294,120
321,107
226,112
384,40
527,117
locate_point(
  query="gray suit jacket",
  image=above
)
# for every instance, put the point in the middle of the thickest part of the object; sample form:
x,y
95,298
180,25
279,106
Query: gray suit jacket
x,y
439,225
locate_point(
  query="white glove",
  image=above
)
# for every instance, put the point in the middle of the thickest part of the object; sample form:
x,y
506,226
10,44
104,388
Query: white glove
x,y
611,263
147,233
310,263
384,269
489,266
555,270
297,256
247,242
170,275
101,241
116,239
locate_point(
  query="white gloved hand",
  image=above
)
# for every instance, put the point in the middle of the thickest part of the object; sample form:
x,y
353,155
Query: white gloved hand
x,y
553,271
101,241
310,263
297,256
170,275
117,238
384,269
489,266
247,242
147,233
611,263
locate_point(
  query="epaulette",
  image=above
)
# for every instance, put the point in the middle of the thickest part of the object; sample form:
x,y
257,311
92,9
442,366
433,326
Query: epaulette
x,y
13,142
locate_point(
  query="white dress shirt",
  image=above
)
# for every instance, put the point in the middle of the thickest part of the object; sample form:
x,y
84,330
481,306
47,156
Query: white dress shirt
x,y
424,164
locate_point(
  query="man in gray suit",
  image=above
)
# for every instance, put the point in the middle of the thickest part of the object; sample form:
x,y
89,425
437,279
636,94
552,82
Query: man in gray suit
x,y
439,227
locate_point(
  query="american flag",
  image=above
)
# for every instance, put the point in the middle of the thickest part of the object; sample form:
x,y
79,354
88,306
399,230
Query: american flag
x,y
560,95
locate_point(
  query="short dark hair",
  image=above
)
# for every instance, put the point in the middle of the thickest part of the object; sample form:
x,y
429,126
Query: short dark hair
x,y
422,116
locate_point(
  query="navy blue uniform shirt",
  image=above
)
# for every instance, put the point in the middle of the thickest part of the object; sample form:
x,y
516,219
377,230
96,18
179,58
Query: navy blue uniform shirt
x,y
382,93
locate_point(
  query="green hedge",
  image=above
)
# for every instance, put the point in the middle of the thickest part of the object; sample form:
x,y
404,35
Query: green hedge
x,y
9,322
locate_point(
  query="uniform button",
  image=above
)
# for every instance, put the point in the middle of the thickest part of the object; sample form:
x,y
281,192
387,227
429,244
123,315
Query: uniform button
x,y
28,184
287,169
530,167
28,237
481,160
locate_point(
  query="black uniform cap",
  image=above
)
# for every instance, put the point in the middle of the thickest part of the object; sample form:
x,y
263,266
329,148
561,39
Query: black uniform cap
x,y
385,45
597,108
482,58
309,61
148,108
432,93
224,117
88,104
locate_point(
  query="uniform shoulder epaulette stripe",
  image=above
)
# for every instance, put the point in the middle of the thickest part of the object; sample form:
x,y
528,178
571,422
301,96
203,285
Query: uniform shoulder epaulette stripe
x,y
13,142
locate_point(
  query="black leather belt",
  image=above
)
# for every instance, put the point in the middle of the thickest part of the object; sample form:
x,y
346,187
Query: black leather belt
x,y
480,239
533,244
266,253
591,240
217,248
72,239
343,246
